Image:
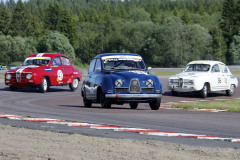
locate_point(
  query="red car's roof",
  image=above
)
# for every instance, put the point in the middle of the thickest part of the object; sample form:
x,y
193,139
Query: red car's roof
x,y
47,55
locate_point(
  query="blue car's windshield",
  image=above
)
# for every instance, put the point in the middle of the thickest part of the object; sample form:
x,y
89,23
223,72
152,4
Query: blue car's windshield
x,y
128,63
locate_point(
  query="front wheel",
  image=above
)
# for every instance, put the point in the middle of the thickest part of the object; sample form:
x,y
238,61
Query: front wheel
x,y
155,105
133,105
204,91
43,86
231,91
73,86
174,93
104,101
86,102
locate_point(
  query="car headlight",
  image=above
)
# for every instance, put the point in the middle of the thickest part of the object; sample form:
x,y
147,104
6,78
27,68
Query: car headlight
x,y
8,76
191,82
29,76
149,83
118,82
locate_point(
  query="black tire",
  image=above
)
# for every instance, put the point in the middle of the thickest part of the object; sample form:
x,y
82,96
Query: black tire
x,y
155,105
73,86
12,88
86,102
174,93
104,101
204,91
231,91
133,105
43,86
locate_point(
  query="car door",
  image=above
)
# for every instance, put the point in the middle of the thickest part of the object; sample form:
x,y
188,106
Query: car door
x,y
56,76
89,81
97,76
225,76
216,78
67,70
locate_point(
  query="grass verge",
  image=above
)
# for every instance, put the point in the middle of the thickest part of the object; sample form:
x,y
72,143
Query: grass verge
x,y
232,105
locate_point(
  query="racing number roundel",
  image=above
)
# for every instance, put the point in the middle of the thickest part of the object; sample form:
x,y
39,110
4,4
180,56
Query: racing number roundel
x,y
60,75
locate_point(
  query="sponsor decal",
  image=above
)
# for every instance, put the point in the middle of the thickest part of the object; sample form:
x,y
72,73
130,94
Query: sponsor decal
x,y
60,75
75,72
48,69
121,57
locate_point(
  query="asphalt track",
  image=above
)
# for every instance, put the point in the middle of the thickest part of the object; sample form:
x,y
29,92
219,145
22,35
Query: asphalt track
x,y
60,103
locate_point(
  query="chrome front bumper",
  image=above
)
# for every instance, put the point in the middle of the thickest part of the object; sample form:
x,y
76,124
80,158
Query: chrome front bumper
x,y
134,96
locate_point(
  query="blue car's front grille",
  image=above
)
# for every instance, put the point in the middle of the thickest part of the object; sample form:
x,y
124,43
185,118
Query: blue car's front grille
x,y
134,86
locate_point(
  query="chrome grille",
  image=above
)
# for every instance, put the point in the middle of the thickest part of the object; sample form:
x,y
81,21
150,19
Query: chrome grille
x,y
134,86
180,82
18,77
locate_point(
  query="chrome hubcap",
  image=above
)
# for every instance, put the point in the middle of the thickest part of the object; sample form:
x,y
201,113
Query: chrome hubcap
x,y
231,89
75,83
45,84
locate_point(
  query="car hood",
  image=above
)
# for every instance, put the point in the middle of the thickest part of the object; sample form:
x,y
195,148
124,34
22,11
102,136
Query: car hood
x,y
189,75
25,68
127,76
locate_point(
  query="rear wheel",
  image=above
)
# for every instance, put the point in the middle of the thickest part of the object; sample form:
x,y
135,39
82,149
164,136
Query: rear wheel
x,y
133,105
155,105
104,101
204,91
231,91
43,86
73,86
12,88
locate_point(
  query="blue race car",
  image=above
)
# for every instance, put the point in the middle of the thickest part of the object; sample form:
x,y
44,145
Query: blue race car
x,y
118,78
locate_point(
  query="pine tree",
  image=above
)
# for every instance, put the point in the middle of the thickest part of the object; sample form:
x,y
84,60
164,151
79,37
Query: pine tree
x,y
186,17
19,23
4,20
228,24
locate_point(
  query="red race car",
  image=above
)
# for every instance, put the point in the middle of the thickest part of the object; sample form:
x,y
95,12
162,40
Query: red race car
x,y
43,70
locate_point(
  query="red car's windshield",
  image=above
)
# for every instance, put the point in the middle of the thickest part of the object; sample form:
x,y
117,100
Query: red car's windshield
x,y
36,61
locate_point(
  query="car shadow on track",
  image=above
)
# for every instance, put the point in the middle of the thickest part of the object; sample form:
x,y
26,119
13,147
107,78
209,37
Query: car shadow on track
x,y
195,94
98,107
35,90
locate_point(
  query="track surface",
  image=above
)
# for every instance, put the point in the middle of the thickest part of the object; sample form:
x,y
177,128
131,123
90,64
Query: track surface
x,y
60,103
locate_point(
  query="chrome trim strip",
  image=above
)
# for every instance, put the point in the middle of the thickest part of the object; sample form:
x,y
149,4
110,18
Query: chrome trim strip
x,y
133,95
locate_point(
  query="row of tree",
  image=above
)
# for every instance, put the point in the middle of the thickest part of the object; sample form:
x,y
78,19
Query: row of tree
x,y
166,33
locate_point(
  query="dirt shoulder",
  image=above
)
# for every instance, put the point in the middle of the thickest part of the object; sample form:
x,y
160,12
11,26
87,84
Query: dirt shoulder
x,y
20,143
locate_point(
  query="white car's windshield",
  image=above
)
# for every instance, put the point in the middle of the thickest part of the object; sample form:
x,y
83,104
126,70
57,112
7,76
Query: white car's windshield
x,y
36,61
197,68
123,62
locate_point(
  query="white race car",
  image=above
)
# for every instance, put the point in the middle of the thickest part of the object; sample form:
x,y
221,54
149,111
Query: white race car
x,y
203,76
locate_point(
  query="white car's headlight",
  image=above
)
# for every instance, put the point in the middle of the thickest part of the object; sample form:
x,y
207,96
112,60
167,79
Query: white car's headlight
x,y
29,76
118,83
149,83
8,76
191,82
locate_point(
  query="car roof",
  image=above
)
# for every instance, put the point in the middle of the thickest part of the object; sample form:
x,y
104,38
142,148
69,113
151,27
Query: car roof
x,y
210,62
115,54
52,55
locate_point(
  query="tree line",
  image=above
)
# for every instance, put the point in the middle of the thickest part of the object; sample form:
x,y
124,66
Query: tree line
x,y
166,33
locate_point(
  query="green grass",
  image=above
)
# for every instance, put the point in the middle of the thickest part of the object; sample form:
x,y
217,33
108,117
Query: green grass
x,y
229,105
235,72
165,73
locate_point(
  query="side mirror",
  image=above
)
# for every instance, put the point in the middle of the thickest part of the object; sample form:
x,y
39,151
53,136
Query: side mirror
x,y
149,68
